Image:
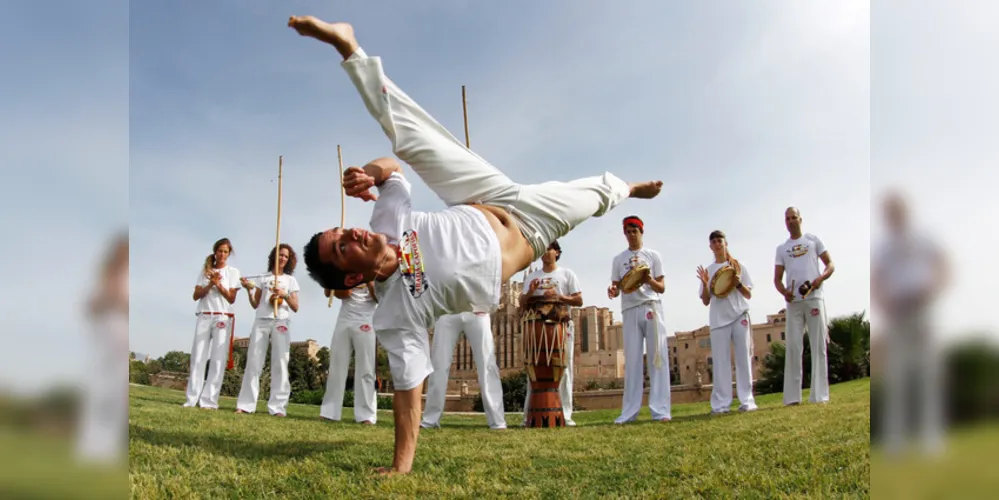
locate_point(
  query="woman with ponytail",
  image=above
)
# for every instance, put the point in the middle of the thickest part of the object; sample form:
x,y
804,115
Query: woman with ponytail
x,y
215,291
730,328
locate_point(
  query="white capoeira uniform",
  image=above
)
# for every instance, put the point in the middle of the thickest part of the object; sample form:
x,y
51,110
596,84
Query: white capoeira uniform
x,y
800,259
564,282
353,333
642,318
216,319
904,267
450,261
478,331
278,332
731,330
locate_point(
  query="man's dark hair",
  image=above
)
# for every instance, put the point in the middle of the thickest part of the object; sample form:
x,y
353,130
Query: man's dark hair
x,y
327,275
716,234
558,249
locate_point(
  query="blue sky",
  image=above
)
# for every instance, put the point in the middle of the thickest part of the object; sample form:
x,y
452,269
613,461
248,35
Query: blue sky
x,y
741,111
170,117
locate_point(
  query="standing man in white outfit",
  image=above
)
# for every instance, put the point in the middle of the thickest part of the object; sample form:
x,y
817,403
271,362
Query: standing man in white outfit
x,y
799,258
642,318
728,319
479,333
273,327
430,264
215,290
552,280
353,332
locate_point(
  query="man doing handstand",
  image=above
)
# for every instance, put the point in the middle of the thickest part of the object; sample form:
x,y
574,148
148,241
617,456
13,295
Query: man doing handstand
x,y
426,265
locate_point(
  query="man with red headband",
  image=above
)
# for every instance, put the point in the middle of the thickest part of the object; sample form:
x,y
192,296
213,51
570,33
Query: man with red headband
x,y
642,318
429,264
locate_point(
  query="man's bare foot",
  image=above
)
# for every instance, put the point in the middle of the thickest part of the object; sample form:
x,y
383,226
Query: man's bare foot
x,y
646,190
339,35
386,471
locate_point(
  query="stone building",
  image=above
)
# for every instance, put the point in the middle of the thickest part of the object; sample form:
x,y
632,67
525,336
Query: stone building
x,y
310,346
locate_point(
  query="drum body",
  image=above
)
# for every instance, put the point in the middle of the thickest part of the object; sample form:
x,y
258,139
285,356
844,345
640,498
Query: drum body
x,y
633,279
545,357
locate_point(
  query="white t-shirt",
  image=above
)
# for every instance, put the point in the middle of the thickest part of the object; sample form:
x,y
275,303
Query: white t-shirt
x,y
213,301
722,312
561,279
264,308
449,262
624,262
359,307
801,262
904,265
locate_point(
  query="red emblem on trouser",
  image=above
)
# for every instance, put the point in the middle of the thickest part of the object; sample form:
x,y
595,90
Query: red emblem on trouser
x,y
648,315
745,322
815,311
365,328
282,328
220,324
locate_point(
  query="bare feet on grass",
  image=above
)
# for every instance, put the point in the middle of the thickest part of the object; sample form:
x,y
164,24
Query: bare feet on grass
x,y
339,35
646,190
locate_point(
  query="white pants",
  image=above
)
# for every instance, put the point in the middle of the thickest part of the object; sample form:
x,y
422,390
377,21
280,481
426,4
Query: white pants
x,y
211,346
103,426
479,333
278,333
359,338
645,322
735,336
565,386
914,381
458,176
810,313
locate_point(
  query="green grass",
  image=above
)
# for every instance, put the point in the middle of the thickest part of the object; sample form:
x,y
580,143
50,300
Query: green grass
x,y
809,450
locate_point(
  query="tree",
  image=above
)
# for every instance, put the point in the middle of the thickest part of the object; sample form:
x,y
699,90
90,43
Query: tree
x,y
852,336
175,361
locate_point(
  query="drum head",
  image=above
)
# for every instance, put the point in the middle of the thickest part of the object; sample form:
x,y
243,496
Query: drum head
x,y
723,281
633,279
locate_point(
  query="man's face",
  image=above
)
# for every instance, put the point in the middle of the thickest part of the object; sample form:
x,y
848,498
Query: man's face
x,y
352,250
792,220
633,234
718,245
548,258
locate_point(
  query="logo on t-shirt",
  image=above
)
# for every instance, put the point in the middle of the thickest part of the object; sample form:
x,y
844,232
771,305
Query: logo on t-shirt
x,y
547,284
411,264
798,250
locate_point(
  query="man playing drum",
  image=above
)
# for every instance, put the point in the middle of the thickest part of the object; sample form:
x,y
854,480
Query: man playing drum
x,y
802,290
426,265
558,283
637,275
726,288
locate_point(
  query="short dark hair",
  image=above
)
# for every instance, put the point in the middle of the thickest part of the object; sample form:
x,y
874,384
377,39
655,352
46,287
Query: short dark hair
x,y
716,234
326,274
558,249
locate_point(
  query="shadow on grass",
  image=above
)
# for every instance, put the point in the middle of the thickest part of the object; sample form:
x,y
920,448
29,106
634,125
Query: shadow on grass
x,y
251,450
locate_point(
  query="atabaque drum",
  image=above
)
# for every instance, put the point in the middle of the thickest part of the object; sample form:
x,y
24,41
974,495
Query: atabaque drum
x,y
545,356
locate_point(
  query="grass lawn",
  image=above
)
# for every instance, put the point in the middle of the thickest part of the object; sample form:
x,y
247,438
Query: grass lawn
x,y
809,450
